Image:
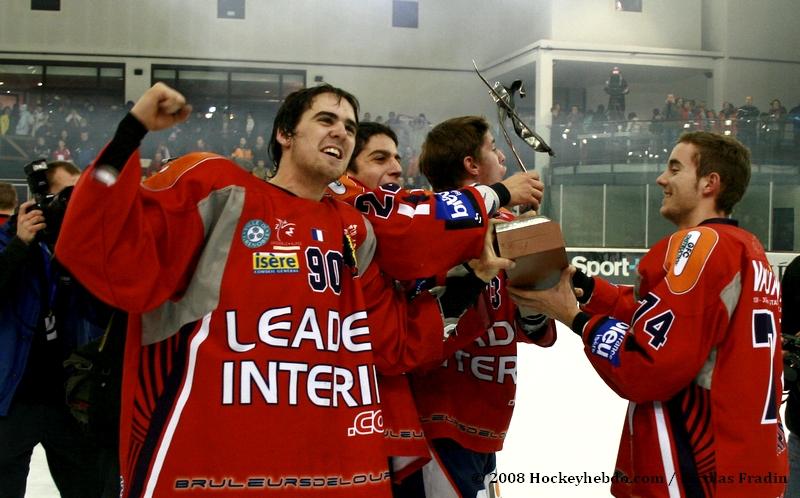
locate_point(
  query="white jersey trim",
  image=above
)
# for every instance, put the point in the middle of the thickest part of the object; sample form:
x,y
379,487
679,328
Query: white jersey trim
x,y
666,451
183,397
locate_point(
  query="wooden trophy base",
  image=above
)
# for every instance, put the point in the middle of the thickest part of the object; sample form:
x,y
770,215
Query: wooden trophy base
x,y
537,247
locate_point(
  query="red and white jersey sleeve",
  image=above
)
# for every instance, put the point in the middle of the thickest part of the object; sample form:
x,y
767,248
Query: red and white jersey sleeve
x,y
700,360
108,228
420,233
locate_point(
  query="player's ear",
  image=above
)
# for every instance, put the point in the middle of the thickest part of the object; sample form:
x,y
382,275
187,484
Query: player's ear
x,y
470,166
711,184
283,138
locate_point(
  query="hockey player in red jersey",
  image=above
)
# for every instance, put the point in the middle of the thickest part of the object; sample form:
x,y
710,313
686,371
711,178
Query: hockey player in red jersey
x,y
694,347
251,361
376,163
481,357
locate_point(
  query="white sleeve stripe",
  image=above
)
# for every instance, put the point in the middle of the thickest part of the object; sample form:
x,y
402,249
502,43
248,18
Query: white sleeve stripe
x,y
490,198
411,211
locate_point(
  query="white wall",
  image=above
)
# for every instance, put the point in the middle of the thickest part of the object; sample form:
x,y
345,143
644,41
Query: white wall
x,y
667,24
761,44
349,42
715,15
440,95
450,34
356,37
763,29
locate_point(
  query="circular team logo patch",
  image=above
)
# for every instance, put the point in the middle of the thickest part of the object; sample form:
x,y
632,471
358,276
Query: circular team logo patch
x,y
255,233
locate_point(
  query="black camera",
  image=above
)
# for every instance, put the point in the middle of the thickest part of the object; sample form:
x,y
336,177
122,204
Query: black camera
x,y
791,359
52,206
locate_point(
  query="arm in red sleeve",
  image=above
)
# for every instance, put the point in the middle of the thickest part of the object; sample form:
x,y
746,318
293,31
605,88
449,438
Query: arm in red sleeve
x,y
131,246
662,347
421,233
404,334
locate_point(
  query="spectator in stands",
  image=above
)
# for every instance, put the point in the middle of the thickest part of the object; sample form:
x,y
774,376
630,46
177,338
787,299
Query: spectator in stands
x,y
712,122
39,119
656,129
242,152
727,119
616,87
8,201
85,150
260,170
25,121
62,153
249,125
672,119
599,118
419,127
574,120
686,112
65,136
393,121
89,110
776,120
700,118
747,118
73,120
556,117
224,136
728,110
633,126
5,120
41,148
260,153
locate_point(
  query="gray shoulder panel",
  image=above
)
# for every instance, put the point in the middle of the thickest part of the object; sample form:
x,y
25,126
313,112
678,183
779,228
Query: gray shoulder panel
x,y
220,212
366,251
730,294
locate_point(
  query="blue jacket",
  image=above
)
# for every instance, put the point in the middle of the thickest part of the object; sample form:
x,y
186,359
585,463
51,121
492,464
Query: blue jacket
x,y
82,321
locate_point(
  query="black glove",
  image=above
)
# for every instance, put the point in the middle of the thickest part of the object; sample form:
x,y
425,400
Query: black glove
x,y
584,282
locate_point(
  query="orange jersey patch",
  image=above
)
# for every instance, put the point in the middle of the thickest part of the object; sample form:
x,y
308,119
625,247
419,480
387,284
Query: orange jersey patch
x,y
345,189
173,170
686,257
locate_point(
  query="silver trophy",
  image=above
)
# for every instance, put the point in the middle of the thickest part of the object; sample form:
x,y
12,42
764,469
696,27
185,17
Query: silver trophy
x,y
504,98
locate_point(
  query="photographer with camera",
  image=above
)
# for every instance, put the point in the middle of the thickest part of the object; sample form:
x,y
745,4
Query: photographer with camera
x,y
790,329
44,316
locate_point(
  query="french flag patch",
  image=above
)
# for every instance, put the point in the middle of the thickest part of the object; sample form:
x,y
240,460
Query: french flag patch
x,y
316,234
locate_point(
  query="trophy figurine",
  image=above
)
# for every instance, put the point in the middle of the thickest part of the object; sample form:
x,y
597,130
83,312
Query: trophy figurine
x,y
535,243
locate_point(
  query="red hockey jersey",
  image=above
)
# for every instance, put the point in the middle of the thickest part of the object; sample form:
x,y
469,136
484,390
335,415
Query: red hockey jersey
x,y
251,361
403,436
699,358
481,361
